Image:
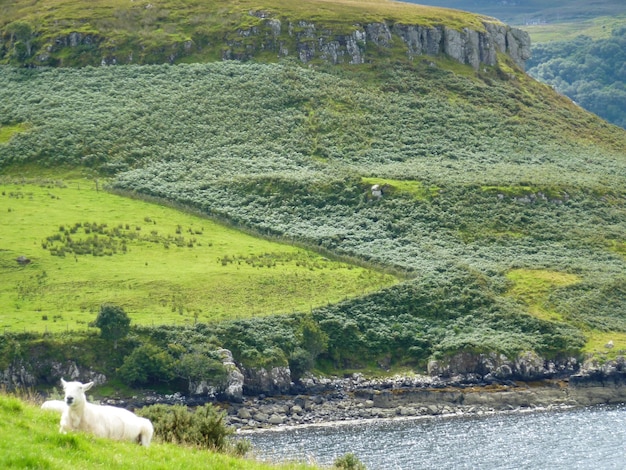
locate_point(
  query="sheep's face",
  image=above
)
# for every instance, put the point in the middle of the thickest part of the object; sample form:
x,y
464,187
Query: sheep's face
x,y
75,392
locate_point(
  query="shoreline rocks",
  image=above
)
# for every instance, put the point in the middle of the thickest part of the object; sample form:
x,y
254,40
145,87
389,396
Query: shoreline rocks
x,y
343,405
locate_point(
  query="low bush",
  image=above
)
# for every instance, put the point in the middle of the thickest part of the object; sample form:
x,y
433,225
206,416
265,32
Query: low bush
x,y
203,427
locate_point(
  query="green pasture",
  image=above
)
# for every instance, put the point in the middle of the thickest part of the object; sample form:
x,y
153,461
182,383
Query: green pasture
x,y
86,246
595,28
31,440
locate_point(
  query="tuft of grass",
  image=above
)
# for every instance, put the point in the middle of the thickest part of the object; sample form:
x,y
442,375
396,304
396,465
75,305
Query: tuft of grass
x,y
605,344
416,189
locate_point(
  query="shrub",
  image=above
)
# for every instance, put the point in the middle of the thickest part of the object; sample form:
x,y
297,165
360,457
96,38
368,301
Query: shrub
x,y
204,427
197,367
113,322
147,364
349,462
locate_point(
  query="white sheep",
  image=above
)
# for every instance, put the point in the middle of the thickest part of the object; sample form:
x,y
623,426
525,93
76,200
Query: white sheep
x,y
102,421
54,405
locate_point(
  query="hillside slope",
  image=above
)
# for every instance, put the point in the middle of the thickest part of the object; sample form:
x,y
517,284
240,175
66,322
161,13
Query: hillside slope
x,y
502,202
590,72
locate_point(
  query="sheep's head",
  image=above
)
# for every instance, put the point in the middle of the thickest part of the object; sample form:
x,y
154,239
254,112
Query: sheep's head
x,y
75,392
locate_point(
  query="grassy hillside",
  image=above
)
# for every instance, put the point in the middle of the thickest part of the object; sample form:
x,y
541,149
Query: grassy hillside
x,y
596,28
503,203
31,439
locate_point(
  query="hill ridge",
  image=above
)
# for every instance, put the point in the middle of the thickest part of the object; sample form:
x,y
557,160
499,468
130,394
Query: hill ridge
x,y
152,33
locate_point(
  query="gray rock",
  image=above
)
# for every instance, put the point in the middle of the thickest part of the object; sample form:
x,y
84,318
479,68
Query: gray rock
x,y
276,419
261,417
244,413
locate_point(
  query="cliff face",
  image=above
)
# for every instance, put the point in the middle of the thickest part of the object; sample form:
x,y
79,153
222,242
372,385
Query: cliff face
x,y
308,42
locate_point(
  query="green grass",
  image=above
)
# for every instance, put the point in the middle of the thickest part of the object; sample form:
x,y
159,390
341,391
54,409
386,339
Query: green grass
x,y
532,287
7,131
163,266
598,344
180,133
166,14
595,28
31,440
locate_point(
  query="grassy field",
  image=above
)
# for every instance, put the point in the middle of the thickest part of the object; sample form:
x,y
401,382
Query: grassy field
x,y
87,247
595,28
524,12
505,204
31,440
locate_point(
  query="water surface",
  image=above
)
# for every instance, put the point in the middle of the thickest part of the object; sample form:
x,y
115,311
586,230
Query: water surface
x,y
588,438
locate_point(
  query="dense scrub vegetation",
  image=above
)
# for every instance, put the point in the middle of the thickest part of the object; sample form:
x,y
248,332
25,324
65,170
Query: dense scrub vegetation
x,y
511,176
590,72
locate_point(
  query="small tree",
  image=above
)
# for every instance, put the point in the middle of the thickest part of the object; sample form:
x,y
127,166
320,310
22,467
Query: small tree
x,y
147,364
21,35
113,322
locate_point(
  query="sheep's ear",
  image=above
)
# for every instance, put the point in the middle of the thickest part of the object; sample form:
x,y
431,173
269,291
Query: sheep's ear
x,y
87,386
63,382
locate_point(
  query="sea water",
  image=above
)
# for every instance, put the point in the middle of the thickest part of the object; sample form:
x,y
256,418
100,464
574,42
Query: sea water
x,y
582,438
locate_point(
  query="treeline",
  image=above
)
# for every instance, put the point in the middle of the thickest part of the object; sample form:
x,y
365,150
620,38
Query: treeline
x,y
592,73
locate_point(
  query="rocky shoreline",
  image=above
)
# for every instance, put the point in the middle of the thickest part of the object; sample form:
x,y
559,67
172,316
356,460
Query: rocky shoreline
x,y
420,396
464,384
320,401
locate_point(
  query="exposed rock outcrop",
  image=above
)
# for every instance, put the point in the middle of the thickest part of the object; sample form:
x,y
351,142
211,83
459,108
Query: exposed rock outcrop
x,y
308,42
466,46
492,366
23,374
272,381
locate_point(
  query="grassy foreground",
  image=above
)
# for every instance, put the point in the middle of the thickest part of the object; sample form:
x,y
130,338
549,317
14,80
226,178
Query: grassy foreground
x,y
87,247
30,439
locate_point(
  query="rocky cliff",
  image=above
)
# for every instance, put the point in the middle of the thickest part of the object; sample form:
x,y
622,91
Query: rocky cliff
x,y
272,38
309,42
